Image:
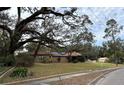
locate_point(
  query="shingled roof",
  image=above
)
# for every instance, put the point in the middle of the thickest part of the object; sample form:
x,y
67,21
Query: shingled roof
x,y
61,54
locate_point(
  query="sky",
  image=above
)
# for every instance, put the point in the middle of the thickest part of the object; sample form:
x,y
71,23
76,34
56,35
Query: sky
x,y
99,17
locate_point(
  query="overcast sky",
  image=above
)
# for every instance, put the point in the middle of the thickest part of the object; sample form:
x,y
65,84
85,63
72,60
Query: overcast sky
x,y
99,16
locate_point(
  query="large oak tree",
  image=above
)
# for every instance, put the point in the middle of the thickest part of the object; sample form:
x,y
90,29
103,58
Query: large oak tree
x,y
37,26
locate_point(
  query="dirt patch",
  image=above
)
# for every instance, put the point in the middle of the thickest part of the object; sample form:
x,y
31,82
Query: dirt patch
x,y
80,80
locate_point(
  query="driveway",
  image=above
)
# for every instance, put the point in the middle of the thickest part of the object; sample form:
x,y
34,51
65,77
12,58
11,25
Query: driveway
x,y
114,78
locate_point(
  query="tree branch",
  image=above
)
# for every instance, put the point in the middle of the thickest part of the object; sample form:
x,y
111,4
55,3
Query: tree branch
x,y
4,8
56,13
24,42
42,39
31,31
6,28
35,16
19,14
39,18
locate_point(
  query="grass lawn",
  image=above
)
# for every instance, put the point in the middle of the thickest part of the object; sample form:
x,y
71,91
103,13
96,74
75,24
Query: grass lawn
x,y
58,68
2,69
41,70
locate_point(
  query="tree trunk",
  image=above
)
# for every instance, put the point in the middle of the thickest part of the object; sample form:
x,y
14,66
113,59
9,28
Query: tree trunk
x,y
115,49
9,59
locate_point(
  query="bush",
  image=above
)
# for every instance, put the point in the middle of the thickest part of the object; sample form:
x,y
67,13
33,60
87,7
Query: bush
x,y
10,60
118,58
44,60
19,72
24,60
76,59
7,61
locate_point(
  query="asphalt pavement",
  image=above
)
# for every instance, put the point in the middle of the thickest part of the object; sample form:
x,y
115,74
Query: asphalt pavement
x,y
114,78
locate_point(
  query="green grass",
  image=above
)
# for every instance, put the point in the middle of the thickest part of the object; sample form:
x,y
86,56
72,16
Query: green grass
x,y
58,68
41,70
2,69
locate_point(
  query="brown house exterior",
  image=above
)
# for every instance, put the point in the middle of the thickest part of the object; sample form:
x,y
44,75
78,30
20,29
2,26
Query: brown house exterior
x,y
55,57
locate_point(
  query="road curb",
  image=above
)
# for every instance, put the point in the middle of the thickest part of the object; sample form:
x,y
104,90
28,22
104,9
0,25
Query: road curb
x,y
93,82
52,76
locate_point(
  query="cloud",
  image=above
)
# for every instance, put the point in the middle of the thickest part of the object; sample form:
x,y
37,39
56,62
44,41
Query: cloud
x,y
99,16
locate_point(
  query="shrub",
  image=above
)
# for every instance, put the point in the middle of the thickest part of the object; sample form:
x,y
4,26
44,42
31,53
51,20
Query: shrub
x,y
19,72
10,60
44,60
7,61
118,57
24,60
76,59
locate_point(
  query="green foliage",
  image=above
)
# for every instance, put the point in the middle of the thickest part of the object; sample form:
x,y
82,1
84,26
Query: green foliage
x,y
114,46
76,59
19,72
115,52
8,60
2,63
45,60
2,59
24,60
42,59
120,56
117,58
31,46
73,60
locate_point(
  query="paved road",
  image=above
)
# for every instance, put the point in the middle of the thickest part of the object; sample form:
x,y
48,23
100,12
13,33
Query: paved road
x,y
113,78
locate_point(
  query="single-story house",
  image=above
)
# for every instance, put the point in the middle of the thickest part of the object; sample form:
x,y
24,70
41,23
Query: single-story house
x,y
56,57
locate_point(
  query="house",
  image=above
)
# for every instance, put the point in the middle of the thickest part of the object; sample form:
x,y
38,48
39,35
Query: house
x,y
56,57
